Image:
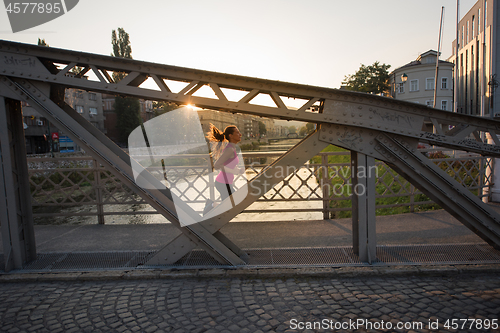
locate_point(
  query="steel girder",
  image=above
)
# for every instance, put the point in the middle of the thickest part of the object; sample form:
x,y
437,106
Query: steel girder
x,y
205,234
15,200
347,119
51,65
287,164
117,162
364,237
401,154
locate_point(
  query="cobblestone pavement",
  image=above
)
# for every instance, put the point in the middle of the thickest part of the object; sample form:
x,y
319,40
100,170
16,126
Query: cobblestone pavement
x,y
223,304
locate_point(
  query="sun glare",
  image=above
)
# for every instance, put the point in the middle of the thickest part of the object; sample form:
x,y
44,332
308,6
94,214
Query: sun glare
x,y
192,107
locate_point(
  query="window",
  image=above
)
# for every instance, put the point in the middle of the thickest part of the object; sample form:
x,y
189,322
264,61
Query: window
x,y
107,105
78,94
467,32
444,105
478,20
429,103
473,22
93,111
429,83
414,85
92,96
444,83
400,88
79,109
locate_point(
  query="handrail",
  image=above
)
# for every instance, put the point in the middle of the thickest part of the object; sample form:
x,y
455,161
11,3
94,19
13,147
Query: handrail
x,y
314,171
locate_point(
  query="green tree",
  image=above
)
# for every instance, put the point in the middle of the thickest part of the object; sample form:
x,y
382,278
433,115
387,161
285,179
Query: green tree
x,y
121,49
310,127
292,129
121,44
369,79
262,128
127,116
160,108
127,108
41,42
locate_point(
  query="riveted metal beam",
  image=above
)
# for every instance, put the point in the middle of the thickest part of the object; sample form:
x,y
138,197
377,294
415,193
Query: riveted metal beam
x,y
337,106
255,188
441,188
119,163
364,234
18,236
348,119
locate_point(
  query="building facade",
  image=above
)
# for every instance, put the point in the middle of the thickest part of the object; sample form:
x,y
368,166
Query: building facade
x,y
477,60
415,81
89,105
40,134
247,124
37,131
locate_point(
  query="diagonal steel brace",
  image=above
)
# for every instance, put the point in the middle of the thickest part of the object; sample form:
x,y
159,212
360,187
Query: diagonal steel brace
x,y
288,163
119,163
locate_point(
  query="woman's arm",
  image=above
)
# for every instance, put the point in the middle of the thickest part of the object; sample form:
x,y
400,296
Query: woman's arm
x,y
226,155
237,170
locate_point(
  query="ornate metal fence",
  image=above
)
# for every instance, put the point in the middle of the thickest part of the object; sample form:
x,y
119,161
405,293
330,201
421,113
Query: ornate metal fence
x,y
67,189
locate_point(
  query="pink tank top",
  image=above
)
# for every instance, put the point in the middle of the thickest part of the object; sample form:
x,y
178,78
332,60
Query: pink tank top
x,y
226,177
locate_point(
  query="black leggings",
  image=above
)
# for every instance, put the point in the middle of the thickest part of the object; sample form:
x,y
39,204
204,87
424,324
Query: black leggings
x,y
225,190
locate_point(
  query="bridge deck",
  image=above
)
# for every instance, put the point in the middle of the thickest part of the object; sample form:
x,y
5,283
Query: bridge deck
x,y
435,237
371,127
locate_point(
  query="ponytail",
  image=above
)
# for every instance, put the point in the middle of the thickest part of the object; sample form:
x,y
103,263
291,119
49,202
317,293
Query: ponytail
x,y
219,139
215,135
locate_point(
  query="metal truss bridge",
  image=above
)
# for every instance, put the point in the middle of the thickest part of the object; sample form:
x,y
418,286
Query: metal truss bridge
x,y
371,127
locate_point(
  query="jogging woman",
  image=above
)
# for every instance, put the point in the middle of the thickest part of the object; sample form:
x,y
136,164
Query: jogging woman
x,y
226,159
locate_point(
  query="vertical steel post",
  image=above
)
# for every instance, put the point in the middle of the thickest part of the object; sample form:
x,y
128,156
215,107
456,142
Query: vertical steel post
x,y
412,198
363,206
98,192
325,187
18,234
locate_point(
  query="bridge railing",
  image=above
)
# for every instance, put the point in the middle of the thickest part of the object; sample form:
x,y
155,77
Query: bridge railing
x,y
67,189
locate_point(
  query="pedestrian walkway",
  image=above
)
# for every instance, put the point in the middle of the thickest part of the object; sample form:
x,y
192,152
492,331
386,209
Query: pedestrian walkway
x,y
459,303
409,239
270,298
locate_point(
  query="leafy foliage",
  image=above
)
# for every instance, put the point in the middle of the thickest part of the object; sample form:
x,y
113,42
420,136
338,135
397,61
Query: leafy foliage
x,y
262,128
42,42
121,49
121,44
163,107
127,108
369,79
128,118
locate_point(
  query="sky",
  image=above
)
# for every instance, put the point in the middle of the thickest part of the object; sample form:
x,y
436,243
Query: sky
x,y
312,42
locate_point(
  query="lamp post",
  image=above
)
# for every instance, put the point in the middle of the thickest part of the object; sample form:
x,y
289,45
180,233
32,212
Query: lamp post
x,y
404,77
